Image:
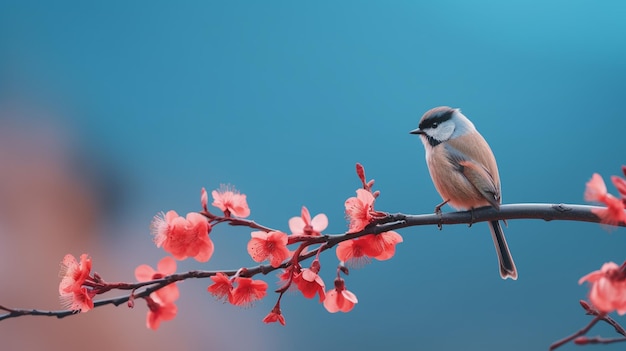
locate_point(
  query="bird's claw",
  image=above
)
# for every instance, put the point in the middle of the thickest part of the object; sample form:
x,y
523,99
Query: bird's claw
x,y
471,218
438,212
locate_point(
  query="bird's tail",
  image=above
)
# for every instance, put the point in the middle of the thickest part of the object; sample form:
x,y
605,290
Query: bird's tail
x,y
507,266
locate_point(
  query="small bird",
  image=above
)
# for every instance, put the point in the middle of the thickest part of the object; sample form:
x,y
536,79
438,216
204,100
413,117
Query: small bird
x,y
464,170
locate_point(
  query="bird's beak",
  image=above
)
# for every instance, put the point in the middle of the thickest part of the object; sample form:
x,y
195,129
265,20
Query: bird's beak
x,y
416,131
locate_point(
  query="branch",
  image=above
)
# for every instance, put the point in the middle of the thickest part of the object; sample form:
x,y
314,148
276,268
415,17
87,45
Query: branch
x,y
583,331
598,340
386,222
583,340
547,212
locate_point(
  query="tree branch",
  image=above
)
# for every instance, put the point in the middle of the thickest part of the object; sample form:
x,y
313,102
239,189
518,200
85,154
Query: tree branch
x,y
579,337
546,212
579,333
388,222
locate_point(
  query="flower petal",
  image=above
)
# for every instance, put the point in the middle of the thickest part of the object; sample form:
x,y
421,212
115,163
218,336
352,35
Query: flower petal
x,y
296,225
167,265
596,189
144,273
319,222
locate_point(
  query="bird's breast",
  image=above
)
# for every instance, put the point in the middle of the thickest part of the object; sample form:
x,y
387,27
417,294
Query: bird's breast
x,y
450,183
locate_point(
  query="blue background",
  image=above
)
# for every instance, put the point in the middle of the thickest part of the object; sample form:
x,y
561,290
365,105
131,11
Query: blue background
x,y
155,100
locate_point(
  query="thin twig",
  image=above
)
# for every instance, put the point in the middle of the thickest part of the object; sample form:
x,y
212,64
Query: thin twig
x,y
583,331
598,316
599,340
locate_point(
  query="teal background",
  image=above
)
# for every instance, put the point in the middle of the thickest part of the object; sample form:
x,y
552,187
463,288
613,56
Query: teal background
x,y
281,99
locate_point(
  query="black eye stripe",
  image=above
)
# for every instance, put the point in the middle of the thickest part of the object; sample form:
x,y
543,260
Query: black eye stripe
x,y
435,120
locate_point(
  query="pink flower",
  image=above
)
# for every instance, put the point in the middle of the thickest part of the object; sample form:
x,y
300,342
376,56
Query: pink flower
x,y
159,310
73,294
596,191
204,199
272,245
608,289
222,287
231,202
387,242
339,299
80,299
74,274
358,210
247,291
357,252
310,283
165,267
303,225
161,305
183,237
275,316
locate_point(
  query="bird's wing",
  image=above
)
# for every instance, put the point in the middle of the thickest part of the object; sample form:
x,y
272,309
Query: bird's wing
x,y
477,175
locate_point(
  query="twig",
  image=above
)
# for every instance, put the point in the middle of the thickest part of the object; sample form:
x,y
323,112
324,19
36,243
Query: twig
x,y
583,331
598,316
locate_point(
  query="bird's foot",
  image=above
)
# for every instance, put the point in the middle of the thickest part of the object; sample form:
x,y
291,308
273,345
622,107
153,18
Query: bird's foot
x,y
471,217
438,212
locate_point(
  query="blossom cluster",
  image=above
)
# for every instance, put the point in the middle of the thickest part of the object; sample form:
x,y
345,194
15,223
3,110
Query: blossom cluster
x,y
608,285
190,237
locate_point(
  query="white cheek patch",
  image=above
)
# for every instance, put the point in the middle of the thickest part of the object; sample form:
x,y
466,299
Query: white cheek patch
x,y
443,131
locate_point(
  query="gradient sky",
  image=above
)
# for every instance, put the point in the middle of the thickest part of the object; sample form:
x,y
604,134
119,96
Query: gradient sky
x,y
282,98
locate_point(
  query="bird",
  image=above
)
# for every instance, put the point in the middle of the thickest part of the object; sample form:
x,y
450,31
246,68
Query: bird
x,y
464,171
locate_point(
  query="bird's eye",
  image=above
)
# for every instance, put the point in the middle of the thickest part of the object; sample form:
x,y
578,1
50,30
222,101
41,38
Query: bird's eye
x,y
434,125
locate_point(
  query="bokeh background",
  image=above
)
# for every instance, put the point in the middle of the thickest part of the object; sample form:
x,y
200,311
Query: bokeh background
x,y
111,112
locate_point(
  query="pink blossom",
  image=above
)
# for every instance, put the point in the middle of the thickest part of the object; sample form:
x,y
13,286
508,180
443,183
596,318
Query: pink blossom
x,y
159,310
359,210
222,287
310,283
304,225
165,267
596,191
231,202
239,291
339,299
608,288
73,294
272,245
80,299
74,274
358,252
183,237
387,242
275,316
247,291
